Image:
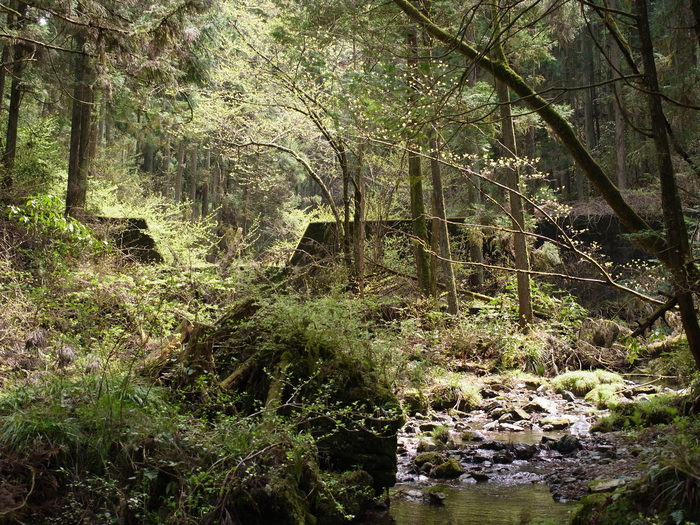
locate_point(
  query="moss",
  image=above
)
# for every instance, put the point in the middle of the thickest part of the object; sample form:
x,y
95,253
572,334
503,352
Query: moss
x,y
448,469
583,381
434,458
604,396
414,401
589,509
658,409
345,497
452,390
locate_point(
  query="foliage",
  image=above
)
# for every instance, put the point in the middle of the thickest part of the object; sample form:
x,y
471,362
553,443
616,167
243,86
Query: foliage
x,y
669,490
44,215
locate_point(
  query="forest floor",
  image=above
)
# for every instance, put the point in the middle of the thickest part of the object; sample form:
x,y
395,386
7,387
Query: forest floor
x,y
261,384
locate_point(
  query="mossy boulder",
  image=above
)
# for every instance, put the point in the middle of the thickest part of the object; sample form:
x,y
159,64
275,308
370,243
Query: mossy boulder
x,y
449,469
453,390
345,497
601,332
434,458
590,509
581,382
604,396
413,401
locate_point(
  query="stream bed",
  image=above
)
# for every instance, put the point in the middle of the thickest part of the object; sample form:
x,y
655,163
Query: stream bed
x,y
523,457
482,503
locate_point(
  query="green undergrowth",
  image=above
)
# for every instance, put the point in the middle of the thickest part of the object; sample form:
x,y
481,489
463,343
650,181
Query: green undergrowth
x,y
89,435
657,409
667,492
110,447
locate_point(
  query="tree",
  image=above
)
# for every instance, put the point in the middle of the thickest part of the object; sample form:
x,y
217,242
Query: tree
x,y
683,270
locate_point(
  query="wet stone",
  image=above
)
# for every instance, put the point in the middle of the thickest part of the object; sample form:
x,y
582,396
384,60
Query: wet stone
x,y
541,404
493,445
567,444
568,396
606,485
557,423
503,457
426,445
498,412
479,477
518,414
511,427
470,435
450,469
523,451
488,393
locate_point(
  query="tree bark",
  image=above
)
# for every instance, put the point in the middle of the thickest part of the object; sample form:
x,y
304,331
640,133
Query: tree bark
x,y
442,231
79,155
415,180
205,183
194,181
19,53
647,238
180,172
620,153
512,181
678,253
359,222
5,58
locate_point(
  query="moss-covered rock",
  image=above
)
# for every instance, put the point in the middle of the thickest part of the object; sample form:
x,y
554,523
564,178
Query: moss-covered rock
x,y
449,469
413,401
435,458
604,396
581,382
590,509
345,497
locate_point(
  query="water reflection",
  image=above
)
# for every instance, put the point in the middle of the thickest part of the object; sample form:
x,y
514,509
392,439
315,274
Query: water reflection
x,y
482,504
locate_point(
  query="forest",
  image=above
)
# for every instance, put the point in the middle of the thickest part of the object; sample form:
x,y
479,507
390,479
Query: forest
x,y
313,262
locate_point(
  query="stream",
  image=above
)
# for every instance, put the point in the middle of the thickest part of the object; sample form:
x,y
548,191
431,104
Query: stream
x,y
522,458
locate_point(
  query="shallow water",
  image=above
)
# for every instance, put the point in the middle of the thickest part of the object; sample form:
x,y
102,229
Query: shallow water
x,y
482,504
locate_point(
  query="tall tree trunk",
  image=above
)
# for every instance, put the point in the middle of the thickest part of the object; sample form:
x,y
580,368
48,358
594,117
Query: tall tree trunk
x,y
476,244
194,181
415,179
180,171
443,234
18,66
205,183
148,153
679,255
620,153
81,119
522,263
359,222
509,151
165,167
5,58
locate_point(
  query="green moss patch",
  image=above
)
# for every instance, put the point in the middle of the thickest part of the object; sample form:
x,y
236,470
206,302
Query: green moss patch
x,y
581,382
